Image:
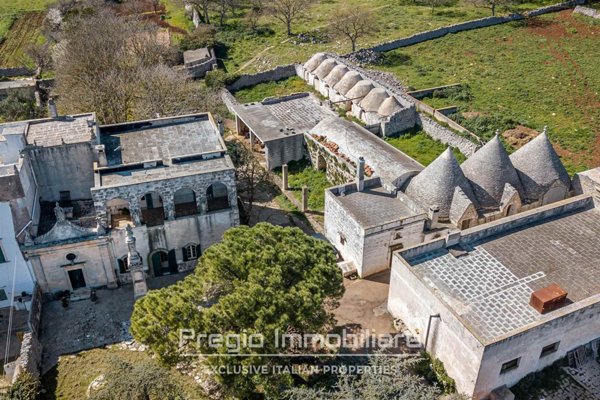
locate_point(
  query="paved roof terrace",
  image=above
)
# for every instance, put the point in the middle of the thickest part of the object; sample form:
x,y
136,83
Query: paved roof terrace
x,y
490,287
162,148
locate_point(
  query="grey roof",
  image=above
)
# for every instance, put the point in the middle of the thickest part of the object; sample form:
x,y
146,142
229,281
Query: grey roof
x,y
488,170
50,132
436,184
16,84
64,230
281,117
374,206
315,61
373,101
390,164
360,90
460,204
336,74
325,68
539,167
389,107
347,82
192,56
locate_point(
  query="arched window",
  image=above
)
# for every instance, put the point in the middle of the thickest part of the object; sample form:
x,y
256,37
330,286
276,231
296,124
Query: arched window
x,y
191,252
216,197
153,213
119,215
185,203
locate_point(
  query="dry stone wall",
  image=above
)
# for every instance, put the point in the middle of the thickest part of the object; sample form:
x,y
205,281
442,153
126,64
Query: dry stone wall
x,y
446,136
590,12
469,25
275,74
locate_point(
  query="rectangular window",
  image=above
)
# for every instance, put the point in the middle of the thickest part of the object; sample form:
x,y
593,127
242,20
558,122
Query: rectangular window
x,y
190,252
3,295
551,348
509,366
2,256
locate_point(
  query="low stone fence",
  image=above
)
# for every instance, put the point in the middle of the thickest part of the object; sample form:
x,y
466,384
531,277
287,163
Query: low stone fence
x,y
447,136
18,71
229,100
275,74
590,12
30,359
469,25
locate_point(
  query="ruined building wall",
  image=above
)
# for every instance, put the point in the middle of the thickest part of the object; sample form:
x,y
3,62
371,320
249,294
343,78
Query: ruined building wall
x,y
64,168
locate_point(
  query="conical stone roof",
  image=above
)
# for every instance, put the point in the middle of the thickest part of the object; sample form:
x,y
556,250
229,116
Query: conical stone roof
x,y
435,185
315,61
336,74
488,171
360,90
347,82
373,101
389,107
539,167
325,68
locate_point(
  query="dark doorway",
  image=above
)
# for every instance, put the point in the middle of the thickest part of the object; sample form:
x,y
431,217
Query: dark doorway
x,y
163,263
77,279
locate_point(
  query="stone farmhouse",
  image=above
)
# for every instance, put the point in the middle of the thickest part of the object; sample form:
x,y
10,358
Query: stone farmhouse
x,y
74,187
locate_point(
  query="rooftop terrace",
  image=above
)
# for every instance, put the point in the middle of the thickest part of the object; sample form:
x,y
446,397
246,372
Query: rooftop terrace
x,y
161,148
490,286
50,132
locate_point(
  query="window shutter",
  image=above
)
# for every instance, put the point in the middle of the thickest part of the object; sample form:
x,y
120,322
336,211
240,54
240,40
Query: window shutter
x,y
198,252
185,256
172,261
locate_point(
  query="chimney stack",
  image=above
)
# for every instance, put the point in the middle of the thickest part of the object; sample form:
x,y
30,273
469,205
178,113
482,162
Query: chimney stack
x,y
52,108
433,215
360,175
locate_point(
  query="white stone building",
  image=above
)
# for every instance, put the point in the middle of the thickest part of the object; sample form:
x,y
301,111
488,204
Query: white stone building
x,y
468,296
75,186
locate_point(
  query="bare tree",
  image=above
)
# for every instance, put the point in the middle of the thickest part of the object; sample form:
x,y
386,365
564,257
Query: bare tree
x,y
257,9
201,6
250,175
352,23
288,11
41,55
437,3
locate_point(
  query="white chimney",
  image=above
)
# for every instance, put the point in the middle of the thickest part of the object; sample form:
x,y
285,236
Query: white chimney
x,y
433,215
360,175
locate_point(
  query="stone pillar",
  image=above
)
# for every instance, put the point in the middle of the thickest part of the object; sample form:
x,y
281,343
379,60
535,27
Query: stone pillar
x,y
304,199
136,213
360,175
284,177
136,268
202,204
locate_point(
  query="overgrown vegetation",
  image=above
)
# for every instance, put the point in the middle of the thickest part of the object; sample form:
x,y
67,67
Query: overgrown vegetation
x,y
433,370
26,387
302,173
15,108
420,146
539,72
279,88
127,374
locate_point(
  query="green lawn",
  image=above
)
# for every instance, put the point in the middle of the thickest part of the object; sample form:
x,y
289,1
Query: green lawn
x,y
10,9
283,87
543,72
421,147
303,174
71,378
248,51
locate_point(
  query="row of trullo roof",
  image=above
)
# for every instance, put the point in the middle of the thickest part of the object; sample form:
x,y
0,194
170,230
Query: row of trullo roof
x,y
532,171
350,84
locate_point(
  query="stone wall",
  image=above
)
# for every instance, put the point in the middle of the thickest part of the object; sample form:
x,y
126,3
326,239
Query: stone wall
x,y
469,25
590,12
338,170
283,151
447,136
229,100
18,71
275,74
30,358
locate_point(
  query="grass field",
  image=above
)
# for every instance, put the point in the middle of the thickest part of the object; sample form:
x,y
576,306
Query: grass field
x,y
303,174
248,51
71,378
536,73
20,26
421,147
272,89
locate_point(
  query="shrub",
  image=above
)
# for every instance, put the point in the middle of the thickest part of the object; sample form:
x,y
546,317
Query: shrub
x,y
26,387
202,36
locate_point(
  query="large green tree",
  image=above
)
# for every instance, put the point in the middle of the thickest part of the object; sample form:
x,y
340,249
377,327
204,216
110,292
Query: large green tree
x,y
257,281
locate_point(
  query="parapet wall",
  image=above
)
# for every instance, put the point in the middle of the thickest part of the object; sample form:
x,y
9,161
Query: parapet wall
x,y
469,25
275,74
18,71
